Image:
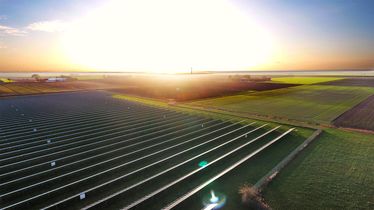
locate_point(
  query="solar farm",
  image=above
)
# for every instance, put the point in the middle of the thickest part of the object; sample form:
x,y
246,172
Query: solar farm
x,y
88,150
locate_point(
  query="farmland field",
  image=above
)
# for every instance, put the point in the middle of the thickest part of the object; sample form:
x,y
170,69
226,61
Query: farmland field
x,y
5,90
311,103
191,87
335,172
5,80
88,149
176,87
25,88
360,116
359,81
304,80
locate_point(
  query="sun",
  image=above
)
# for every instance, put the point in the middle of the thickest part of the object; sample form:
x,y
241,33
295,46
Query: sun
x,y
167,36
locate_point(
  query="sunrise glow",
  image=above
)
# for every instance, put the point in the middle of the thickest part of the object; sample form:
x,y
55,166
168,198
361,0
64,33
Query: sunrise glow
x,y
169,36
172,36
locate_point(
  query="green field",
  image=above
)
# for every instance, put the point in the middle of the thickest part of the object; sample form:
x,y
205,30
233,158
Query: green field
x,y
304,80
5,80
334,172
310,103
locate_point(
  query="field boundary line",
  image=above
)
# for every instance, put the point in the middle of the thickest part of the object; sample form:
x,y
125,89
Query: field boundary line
x,y
356,130
265,180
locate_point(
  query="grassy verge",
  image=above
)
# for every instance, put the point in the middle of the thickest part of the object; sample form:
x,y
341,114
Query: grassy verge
x,y
334,172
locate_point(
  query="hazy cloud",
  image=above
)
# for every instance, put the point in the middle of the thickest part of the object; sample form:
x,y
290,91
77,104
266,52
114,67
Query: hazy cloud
x,y
10,31
48,26
45,26
3,17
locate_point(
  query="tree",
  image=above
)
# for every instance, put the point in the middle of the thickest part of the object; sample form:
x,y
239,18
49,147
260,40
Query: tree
x,y
35,76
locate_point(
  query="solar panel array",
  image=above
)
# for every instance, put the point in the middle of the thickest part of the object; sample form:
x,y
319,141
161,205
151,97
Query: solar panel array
x,y
88,150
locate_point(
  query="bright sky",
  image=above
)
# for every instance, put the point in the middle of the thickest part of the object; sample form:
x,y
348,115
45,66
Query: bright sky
x,y
175,35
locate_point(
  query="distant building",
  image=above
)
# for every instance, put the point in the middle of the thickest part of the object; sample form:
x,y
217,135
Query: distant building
x,y
56,79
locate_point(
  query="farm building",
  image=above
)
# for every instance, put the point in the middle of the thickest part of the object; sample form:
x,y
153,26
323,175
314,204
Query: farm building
x,y
56,79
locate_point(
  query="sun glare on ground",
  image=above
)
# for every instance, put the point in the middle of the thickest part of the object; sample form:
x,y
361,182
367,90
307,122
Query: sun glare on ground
x,y
167,36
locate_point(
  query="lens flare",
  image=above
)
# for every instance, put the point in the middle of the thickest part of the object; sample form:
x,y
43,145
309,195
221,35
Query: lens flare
x,y
214,200
203,163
